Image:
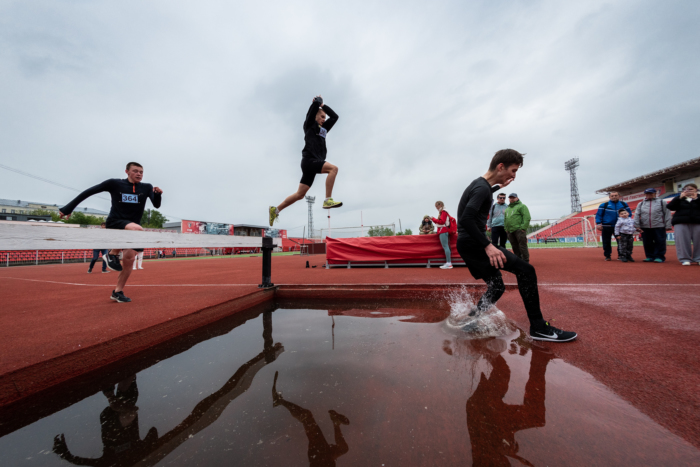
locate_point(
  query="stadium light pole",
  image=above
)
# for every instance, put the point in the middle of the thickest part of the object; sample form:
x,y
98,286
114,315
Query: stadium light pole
x,y
571,165
310,200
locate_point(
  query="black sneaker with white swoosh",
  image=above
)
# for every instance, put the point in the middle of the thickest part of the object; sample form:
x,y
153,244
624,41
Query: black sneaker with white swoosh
x,y
112,262
119,297
549,333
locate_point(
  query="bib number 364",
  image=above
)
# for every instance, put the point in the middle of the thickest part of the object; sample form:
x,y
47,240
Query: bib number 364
x,y
129,198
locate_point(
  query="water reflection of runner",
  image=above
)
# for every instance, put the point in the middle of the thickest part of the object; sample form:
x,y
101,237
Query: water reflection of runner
x,y
123,444
320,452
121,441
492,423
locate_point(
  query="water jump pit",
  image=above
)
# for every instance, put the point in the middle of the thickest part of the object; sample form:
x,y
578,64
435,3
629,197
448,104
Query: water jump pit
x,y
340,382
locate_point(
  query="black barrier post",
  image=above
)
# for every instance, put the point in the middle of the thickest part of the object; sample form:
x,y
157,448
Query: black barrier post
x,y
267,247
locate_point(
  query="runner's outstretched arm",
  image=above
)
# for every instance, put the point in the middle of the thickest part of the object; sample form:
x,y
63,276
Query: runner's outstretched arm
x,y
156,197
67,210
332,118
311,115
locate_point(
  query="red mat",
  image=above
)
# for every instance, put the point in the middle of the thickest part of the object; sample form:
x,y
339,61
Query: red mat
x,y
402,249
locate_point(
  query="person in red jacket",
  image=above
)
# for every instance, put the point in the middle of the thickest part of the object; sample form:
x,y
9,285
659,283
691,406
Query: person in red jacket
x,y
442,224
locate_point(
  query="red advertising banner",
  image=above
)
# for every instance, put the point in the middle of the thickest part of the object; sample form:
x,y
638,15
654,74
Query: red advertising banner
x,y
206,228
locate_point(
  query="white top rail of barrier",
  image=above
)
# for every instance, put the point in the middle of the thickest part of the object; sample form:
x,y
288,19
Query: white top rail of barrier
x,y
31,236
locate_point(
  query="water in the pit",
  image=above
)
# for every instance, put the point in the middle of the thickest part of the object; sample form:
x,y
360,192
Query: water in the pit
x,y
313,384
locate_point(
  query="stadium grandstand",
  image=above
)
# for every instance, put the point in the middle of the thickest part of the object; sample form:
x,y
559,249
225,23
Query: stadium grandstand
x,y
578,228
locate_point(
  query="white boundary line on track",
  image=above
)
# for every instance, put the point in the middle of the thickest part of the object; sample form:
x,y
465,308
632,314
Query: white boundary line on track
x,y
131,285
546,284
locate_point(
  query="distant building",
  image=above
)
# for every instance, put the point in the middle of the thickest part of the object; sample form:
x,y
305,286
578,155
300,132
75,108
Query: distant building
x,y
17,206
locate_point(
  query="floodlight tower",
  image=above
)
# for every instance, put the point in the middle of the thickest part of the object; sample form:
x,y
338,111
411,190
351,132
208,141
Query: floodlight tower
x,y
571,165
310,200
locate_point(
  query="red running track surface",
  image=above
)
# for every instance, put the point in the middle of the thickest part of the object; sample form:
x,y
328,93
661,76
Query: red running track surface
x,y
638,322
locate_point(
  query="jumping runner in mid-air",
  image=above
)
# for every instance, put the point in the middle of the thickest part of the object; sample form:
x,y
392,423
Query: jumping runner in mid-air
x,y
313,157
128,202
485,260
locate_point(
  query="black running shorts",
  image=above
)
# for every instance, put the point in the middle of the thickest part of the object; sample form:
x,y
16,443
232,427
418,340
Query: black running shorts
x,y
476,259
117,224
309,169
120,224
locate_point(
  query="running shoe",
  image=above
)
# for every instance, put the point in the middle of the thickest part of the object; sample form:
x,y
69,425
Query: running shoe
x,y
329,204
106,271
89,271
648,260
274,215
607,258
338,419
446,266
686,263
552,334
624,260
112,262
119,297
630,259
658,260
140,267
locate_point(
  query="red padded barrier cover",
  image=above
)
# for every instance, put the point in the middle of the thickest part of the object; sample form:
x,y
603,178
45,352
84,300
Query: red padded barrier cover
x,y
398,249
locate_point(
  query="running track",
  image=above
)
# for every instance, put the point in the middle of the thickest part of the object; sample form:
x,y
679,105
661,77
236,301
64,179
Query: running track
x,y
638,323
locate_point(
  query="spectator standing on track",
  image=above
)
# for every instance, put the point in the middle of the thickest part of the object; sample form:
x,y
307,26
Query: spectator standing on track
x,y
653,218
499,236
605,220
516,221
443,225
426,227
138,259
624,233
686,220
96,256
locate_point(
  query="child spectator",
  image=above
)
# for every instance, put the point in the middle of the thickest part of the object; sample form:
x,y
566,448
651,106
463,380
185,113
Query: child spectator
x,y
426,227
624,233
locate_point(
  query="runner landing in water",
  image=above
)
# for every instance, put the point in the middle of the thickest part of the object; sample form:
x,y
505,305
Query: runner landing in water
x,y
313,157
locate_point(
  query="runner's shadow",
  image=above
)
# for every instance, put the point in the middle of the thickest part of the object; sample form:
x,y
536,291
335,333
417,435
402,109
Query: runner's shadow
x,y
320,452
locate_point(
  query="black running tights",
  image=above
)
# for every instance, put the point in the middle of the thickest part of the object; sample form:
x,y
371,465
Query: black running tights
x,y
527,286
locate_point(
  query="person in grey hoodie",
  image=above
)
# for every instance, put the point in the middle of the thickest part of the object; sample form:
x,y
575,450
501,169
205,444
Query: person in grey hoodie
x,y
499,237
654,219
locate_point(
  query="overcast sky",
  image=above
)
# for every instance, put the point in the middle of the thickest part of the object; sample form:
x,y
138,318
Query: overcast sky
x,y
210,97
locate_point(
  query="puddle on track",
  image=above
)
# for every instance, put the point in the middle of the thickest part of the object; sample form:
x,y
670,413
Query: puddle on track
x,y
388,384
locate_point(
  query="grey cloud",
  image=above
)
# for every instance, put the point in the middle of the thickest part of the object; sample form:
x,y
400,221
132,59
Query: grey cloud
x,y
211,99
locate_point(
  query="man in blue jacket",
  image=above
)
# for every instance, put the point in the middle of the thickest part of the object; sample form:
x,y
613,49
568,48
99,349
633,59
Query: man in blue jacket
x,y
606,218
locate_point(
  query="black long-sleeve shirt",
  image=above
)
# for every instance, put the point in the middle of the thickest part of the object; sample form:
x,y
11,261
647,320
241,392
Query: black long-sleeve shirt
x,y
128,199
315,134
473,211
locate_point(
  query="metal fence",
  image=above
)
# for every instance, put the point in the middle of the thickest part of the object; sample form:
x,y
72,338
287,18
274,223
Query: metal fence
x,y
36,257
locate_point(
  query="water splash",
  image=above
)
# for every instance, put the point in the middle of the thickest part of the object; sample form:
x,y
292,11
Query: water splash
x,y
489,323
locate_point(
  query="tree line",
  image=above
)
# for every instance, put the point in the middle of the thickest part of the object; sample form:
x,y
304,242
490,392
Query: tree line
x,y
151,218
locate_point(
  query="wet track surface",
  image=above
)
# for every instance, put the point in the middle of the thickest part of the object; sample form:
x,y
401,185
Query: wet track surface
x,y
357,384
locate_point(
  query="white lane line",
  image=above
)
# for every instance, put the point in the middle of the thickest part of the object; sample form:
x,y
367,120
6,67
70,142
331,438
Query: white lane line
x,y
130,285
435,284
